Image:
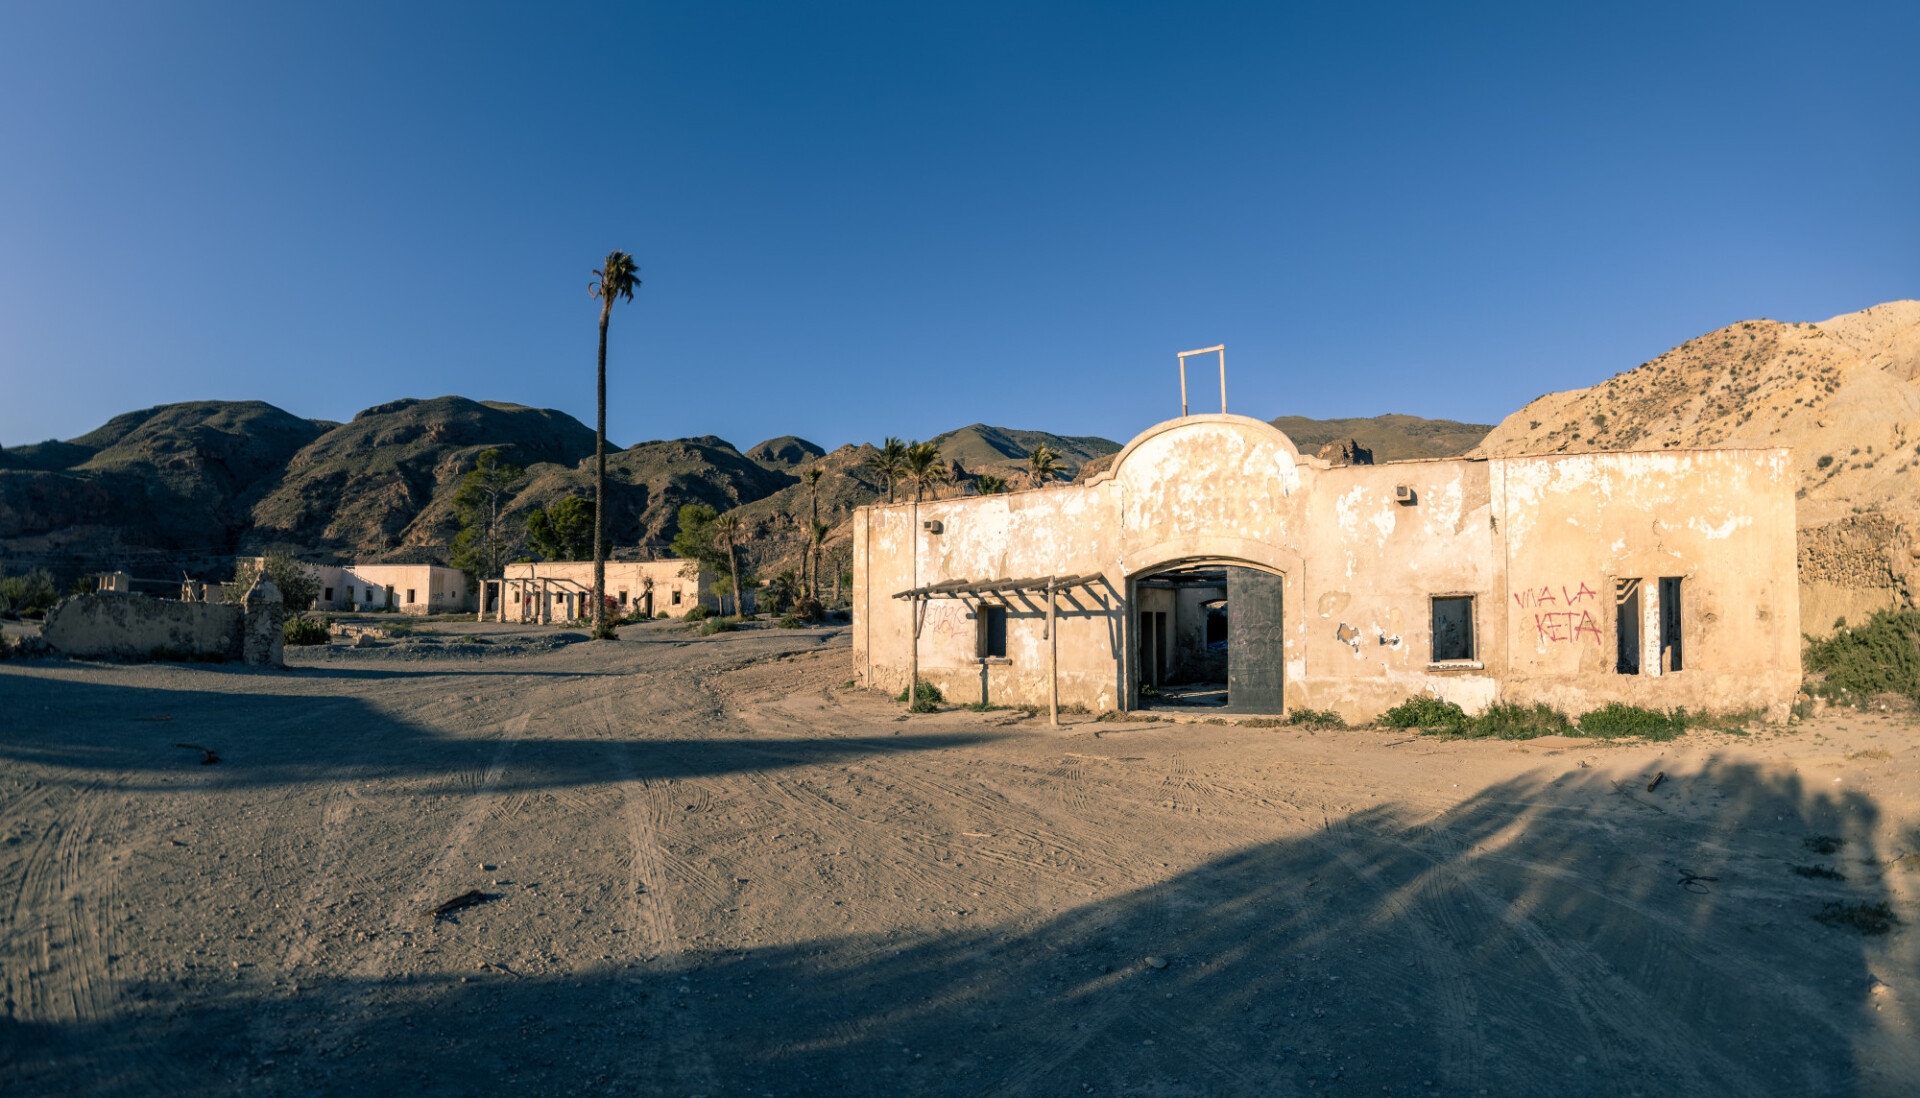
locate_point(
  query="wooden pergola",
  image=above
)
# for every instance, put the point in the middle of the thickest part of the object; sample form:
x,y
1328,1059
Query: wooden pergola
x,y
1051,586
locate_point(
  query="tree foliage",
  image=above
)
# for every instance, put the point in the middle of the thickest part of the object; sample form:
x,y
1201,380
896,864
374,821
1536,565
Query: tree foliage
x,y
564,531
296,581
1042,463
923,468
888,462
484,545
695,539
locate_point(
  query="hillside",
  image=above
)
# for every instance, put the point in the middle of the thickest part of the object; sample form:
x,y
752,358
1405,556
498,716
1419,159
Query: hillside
x,y
177,478
1391,437
785,454
1844,394
1000,450
384,481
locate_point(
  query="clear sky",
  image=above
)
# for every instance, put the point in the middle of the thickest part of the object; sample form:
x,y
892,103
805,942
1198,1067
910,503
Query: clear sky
x,y
856,221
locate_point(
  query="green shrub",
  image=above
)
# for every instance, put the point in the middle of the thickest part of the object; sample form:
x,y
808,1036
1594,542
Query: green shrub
x,y
1512,721
1315,718
1620,719
30,594
699,613
1863,917
1426,712
924,701
305,630
608,629
792,621
1882,656
718,625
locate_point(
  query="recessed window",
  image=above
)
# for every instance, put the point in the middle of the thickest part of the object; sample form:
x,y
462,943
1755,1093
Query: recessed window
x,y
1670,623
623,598
329,595
993,632
1626,626
409,594
1452,628
676,596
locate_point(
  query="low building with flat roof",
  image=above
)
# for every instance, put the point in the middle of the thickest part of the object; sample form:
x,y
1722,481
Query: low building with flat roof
x,y
1214,565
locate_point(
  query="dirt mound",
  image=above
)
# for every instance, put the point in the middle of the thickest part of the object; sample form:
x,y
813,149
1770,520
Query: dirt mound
x,y
1844,394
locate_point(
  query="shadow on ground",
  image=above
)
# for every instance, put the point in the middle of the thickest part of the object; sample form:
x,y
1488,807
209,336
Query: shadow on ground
x,y
129,734
1544,937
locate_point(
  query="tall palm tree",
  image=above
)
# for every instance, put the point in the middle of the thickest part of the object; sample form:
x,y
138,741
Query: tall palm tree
x,y
888,461
726,535
616,278
812,477
1042,464
923,468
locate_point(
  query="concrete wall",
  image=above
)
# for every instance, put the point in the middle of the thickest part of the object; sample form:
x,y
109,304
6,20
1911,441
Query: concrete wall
x,y
133,627
560,590
1359,566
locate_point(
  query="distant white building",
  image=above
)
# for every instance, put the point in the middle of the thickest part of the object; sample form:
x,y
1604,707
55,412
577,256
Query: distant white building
x,y
405,588
563,590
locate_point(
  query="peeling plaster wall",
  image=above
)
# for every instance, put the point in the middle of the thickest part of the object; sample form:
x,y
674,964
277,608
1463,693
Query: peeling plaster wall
x,y
1359,569
1722,520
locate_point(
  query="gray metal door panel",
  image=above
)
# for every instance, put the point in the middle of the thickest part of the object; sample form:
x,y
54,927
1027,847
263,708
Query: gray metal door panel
x,y
1256,641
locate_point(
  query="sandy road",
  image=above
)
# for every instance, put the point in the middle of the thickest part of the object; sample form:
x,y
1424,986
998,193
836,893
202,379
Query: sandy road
x,y
712,869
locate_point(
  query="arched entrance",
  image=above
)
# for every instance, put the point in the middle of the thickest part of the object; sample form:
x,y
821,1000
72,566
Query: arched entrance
x,y
1208,634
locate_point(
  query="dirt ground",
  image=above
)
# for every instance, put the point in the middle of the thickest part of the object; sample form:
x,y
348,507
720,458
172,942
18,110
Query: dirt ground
x,y
711,868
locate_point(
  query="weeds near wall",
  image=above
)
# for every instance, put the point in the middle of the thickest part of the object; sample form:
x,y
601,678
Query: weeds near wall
x,y
1430,714
1618,719
923,702
1511,721
305,630
1315,719
1880,657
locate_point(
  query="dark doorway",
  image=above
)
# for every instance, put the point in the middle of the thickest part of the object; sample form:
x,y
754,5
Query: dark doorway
x,y
1191,650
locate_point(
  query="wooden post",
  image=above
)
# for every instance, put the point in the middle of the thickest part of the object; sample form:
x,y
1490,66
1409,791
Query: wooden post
x,y
1053,658
913,604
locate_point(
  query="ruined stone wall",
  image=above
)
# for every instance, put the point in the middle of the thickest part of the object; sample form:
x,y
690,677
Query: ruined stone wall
x,y
1859,564
134,627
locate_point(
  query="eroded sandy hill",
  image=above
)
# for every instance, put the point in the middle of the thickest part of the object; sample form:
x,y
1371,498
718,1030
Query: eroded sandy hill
x,y
1844,394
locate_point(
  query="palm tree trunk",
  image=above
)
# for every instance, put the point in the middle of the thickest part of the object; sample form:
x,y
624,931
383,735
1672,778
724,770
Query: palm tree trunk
x,y
600,480
739,592
813,544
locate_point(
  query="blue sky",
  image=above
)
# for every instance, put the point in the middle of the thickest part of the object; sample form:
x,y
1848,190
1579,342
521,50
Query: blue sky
x,y
862,220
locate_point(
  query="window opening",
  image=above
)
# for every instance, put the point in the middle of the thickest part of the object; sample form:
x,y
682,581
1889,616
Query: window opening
x,y
1453,628
1670,654
329,594
1626,626
623,597
409,594
993,632
676,596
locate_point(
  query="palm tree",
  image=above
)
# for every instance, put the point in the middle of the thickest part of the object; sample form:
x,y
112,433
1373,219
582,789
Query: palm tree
x,y
990,485
817,538
1042,463
812,477
616,278
889,462
923,468
726,535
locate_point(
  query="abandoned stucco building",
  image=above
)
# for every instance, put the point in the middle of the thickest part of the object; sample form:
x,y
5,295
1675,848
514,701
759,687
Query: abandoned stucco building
x,y
407,588
1213,562
563,590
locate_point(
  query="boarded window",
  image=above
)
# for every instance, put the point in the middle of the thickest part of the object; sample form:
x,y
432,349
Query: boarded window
x,y
1670,623
1626,626
993,632
1452,628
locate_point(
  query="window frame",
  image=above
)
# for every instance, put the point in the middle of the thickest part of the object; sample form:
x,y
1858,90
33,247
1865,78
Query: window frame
x,y
983,633
1472,660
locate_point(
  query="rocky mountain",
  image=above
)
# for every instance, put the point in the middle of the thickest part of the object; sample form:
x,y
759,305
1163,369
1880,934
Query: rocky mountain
x,y
177,479
1002,450
384,481
1843,393
1390,437
786,453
